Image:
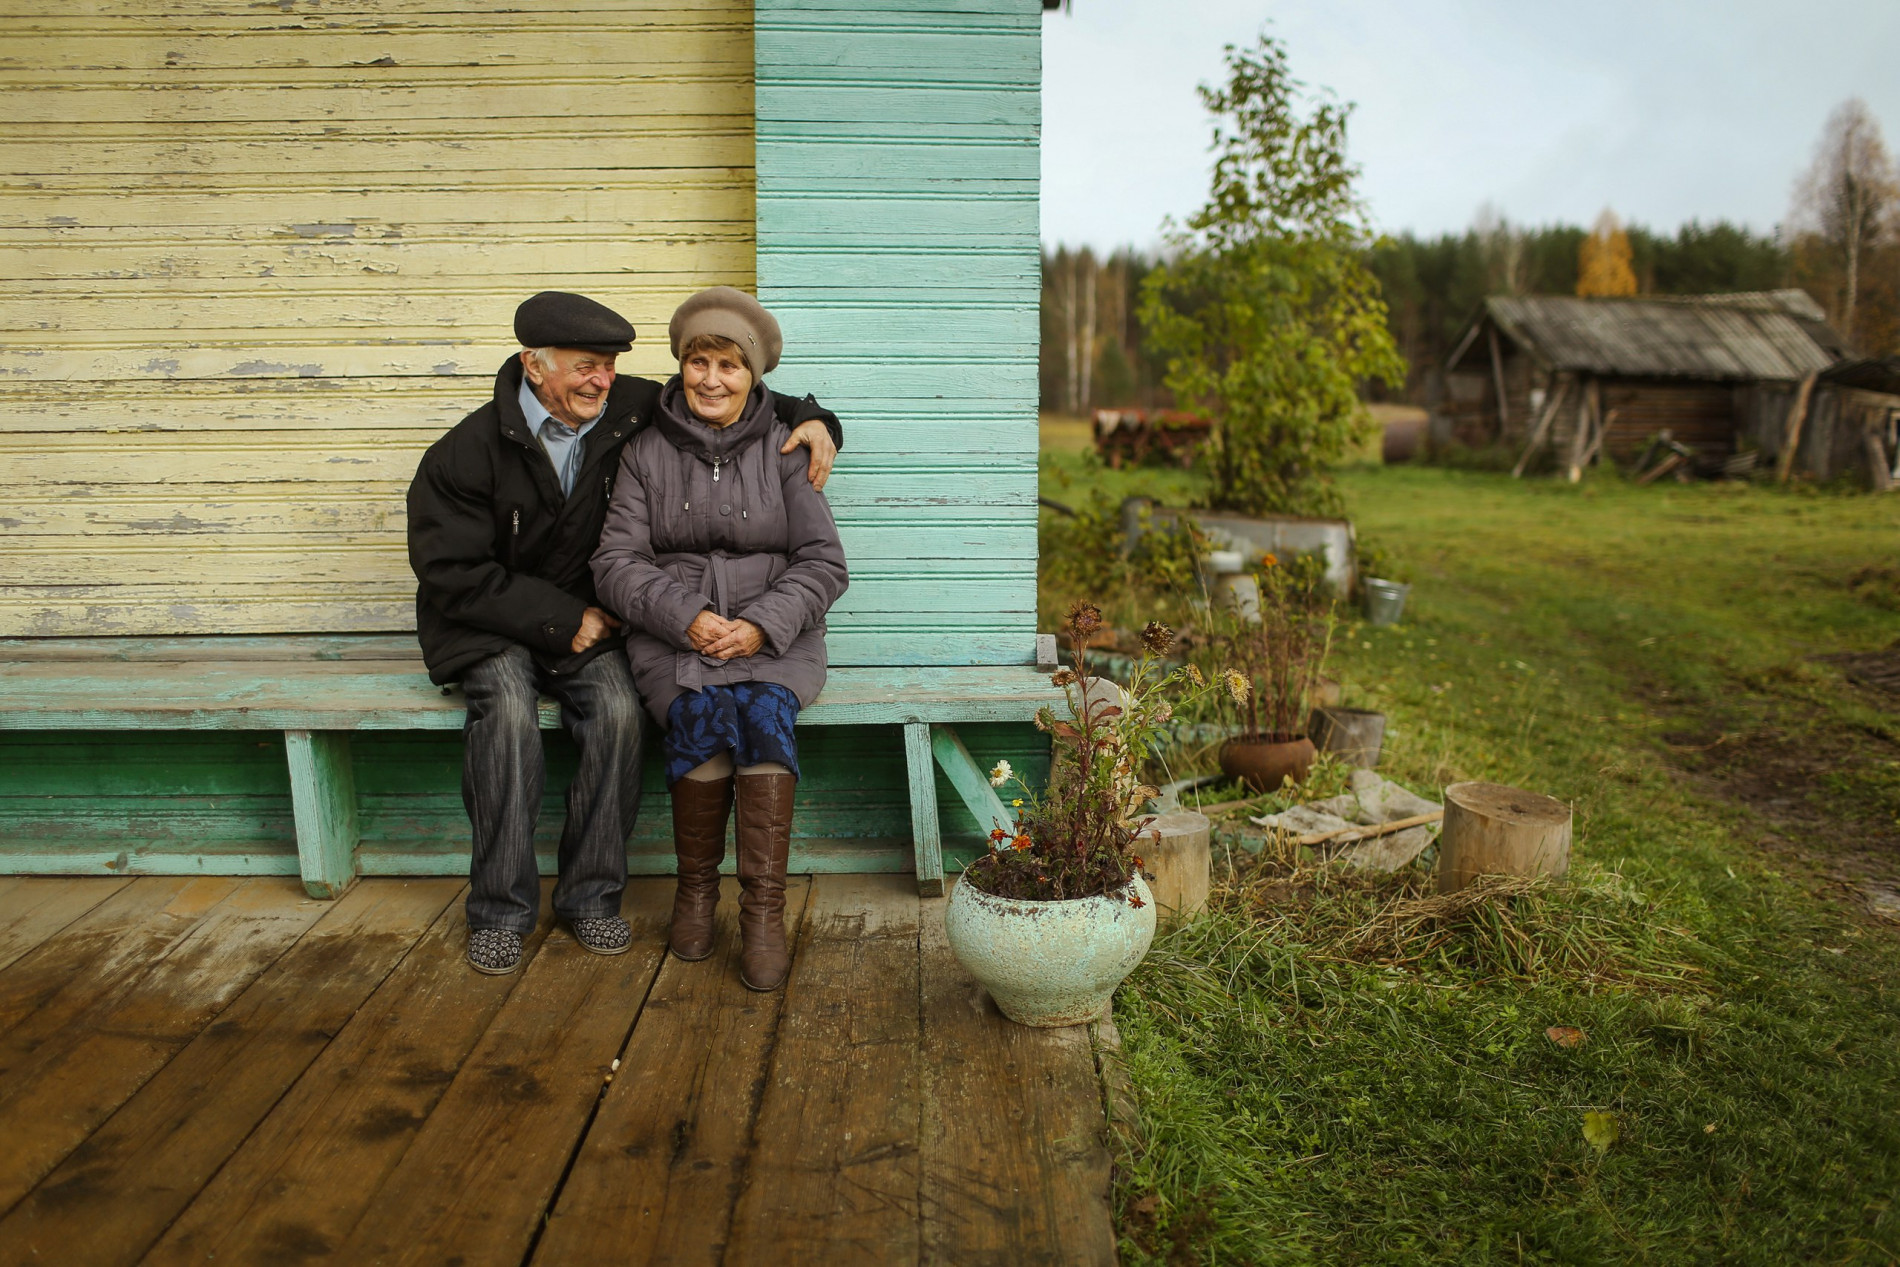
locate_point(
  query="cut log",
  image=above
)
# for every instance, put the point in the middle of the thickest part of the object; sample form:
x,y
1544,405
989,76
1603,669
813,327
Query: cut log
x,y
1491,829
1180,862
1589,423
1356,734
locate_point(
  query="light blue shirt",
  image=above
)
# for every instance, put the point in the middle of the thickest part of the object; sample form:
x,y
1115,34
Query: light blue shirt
x,y
561,442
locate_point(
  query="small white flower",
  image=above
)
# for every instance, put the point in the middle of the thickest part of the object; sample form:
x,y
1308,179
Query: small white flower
x,y
1001,774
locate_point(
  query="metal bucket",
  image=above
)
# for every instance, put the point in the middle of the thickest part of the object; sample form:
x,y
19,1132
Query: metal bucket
x,y
1385,601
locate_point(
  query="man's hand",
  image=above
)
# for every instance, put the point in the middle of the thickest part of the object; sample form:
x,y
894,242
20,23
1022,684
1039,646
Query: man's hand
x,y
824,454
742,638
595,625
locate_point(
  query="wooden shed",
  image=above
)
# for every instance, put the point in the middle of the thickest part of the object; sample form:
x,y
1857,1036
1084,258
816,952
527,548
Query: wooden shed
x,y
262,255
1595,379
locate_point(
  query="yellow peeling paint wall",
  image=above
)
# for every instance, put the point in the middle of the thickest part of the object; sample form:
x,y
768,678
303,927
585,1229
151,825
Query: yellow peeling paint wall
x,y
258,256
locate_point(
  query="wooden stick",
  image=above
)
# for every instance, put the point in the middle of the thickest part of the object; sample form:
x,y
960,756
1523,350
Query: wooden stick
x,y
1497,378
1596,440
1543,424
1791,431
1353,835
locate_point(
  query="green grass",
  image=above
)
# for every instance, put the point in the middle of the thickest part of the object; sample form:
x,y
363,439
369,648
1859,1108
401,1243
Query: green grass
x,y
1651,656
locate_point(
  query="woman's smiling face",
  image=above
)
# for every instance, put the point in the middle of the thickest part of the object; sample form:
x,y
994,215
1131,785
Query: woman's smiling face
x,y
717,383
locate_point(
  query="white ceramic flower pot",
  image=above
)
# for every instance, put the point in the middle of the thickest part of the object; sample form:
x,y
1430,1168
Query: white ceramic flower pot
x,y
1049,963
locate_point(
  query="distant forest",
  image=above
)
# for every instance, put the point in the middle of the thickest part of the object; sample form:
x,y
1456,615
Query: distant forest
x,y
1092,354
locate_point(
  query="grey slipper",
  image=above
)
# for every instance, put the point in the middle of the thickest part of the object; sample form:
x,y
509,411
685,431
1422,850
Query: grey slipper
x,y
495,951
609,936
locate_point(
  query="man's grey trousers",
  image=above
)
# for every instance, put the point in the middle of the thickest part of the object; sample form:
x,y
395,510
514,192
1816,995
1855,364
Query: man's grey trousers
x,y
504,771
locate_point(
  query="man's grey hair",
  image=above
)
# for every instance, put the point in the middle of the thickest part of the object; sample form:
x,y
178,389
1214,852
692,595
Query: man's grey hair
x,y
544,357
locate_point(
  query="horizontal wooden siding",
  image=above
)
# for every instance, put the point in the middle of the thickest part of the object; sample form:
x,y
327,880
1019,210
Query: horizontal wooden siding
x,y
261,255
898,170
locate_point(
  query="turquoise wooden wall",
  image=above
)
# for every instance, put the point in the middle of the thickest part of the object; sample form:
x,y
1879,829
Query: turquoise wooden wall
x,y
898,171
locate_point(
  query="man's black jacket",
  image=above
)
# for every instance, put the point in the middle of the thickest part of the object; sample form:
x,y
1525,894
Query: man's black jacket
x,y
500,556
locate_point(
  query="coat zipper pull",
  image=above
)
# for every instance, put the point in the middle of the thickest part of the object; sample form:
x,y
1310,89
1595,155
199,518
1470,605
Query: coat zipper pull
x,y
716,462
517,523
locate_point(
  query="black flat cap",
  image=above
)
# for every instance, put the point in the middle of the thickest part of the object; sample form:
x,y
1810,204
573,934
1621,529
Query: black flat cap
x,y
557,319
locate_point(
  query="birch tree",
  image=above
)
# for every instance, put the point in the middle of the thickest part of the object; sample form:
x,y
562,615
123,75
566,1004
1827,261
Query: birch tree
x,y
1264,309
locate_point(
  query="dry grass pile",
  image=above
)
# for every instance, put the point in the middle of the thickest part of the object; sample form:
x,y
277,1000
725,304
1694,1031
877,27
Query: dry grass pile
x,y
1592,927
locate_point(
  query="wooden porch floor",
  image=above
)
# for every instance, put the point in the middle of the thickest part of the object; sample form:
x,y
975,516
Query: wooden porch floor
x,y
223,1070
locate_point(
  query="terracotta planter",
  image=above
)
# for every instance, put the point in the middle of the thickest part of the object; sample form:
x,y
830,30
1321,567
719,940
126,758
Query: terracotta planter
x,y
1264,764
1048,963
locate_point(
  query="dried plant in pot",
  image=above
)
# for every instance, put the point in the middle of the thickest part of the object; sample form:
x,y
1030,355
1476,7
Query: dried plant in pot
x,y
1278,659
1056,913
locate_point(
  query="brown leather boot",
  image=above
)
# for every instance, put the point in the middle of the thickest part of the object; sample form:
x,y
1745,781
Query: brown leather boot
x,y
700,807
764,836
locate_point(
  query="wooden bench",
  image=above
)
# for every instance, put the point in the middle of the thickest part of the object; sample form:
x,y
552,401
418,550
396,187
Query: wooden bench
x,y
319,690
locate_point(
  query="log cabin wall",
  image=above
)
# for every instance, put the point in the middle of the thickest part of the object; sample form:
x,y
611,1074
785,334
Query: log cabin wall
x,y
263,255
1468,411
1700,415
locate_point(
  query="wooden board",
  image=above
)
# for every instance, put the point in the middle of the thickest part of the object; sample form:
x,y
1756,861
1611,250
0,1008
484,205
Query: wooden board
x,y
834,1170
303,1178
665,1157
32,910
46,989
475,1181
153,1155
74,1080
1014,1162
397,695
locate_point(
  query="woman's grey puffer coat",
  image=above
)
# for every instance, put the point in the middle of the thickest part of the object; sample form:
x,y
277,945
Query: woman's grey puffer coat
x,y
704,517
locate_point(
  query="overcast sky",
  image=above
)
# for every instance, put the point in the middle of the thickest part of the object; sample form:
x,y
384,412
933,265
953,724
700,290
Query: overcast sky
x,y
1666,110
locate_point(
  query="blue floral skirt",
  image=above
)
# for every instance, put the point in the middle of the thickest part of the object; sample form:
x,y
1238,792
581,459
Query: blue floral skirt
x,y
751,720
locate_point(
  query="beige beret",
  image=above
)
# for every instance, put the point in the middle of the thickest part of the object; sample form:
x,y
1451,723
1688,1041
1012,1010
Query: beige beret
x,y
734,315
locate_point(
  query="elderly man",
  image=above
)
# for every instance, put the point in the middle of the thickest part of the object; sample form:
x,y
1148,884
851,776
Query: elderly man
x,y
504,514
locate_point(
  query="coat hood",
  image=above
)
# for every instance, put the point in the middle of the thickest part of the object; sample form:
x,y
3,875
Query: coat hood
x,y
688,434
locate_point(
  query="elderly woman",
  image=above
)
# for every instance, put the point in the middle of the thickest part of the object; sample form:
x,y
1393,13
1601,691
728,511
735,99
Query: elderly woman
x,y
723,560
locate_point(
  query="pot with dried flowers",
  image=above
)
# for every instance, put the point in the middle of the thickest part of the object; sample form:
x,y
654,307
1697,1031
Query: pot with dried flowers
x,y
1277,661
1056,914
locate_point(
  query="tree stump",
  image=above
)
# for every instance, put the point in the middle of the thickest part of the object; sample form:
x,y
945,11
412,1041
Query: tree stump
x,y
1491,829
1356,734
1180,863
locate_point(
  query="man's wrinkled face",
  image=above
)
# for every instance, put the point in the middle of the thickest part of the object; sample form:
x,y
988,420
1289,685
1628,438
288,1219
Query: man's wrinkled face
x,y
574,389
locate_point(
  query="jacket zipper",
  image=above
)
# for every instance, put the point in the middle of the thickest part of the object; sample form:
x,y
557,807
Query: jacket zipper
x,y
514,538
717,462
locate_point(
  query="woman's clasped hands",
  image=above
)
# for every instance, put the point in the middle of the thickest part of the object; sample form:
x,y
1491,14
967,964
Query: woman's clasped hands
x,y
713,635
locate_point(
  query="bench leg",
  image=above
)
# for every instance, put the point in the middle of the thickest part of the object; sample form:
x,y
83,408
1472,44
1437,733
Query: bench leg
x,y
968,778
924,829
323,797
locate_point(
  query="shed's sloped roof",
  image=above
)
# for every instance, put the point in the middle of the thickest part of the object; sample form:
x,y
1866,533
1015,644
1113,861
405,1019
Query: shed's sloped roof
x,y
1730,338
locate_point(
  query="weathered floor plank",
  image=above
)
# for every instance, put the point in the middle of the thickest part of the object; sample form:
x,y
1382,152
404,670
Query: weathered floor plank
x,y
656,1179
1015,1162
302,1180
33,908
43,990
833,1176
473,1186
152,1156
69,1084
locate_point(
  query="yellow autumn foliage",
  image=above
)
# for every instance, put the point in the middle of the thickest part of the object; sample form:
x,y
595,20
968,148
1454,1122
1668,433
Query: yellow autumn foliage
x,y
1603,259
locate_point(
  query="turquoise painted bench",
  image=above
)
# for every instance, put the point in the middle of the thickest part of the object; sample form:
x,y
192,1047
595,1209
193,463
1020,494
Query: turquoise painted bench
x,y
318,690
